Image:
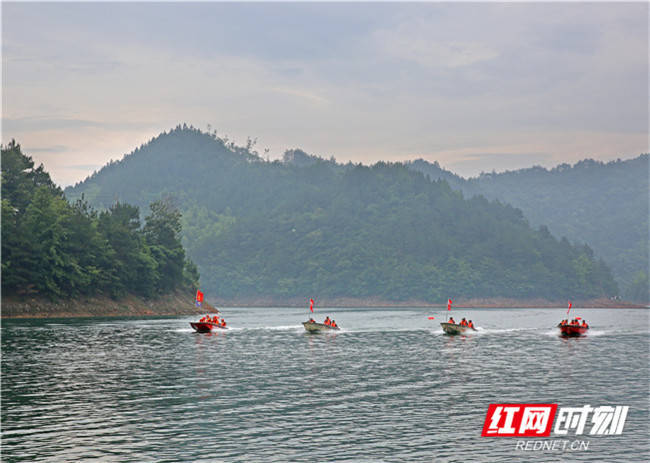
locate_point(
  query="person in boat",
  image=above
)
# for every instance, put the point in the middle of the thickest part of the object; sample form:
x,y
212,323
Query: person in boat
x,y
311,320
333,324
565,322
584,324
451,320
223,323
327,321
463,322
470,324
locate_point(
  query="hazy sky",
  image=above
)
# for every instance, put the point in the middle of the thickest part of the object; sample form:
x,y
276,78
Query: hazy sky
x,y
474,86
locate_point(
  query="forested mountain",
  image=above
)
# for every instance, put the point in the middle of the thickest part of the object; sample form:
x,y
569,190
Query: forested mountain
x,y
55,249
602,204
305,227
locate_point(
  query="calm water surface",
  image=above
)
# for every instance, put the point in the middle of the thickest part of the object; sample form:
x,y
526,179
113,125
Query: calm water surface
x,y
388,387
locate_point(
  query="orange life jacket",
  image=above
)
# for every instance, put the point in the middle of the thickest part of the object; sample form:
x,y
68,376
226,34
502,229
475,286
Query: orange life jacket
x,y
470,324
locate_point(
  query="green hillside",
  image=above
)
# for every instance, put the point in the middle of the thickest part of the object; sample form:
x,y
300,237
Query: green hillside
x,y
57,250
602,204
306,226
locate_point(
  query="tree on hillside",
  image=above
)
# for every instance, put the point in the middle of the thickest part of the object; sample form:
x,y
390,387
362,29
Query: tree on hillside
x,y
56,249
162,231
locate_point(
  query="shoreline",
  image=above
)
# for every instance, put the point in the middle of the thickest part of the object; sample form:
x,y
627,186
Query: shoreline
x,y
476,303
177,303
180,303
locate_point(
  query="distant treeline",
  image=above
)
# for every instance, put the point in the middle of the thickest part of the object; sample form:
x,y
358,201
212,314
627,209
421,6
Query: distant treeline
x,y
603,204
306,226
59,250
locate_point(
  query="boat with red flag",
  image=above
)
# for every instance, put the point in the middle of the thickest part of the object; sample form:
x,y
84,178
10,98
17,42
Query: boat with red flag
x,y
312,326
574,327
451,327
207,323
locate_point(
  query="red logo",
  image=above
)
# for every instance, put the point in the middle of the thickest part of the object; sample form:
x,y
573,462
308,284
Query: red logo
x,y
519,420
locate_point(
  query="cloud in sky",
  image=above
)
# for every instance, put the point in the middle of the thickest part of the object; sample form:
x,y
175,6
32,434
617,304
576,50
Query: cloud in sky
x,y
361,82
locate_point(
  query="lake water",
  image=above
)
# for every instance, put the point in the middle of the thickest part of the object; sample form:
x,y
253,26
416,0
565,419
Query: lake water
x,y
388,387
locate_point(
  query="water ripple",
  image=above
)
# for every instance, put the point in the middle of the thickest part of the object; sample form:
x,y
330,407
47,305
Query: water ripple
x,y
388,387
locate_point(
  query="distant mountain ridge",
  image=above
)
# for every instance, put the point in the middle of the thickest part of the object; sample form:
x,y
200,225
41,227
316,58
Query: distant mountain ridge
x,y
309,226
602,204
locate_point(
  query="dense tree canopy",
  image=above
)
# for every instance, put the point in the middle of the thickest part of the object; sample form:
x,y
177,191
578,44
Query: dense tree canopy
x,y
56,249
602,204
308,226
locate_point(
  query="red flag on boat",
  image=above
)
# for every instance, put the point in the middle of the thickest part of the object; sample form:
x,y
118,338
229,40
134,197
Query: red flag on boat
x,y
567,310
311,305
199,298
449,304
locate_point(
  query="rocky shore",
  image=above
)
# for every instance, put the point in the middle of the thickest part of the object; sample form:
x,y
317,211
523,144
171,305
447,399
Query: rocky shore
x,y
179,303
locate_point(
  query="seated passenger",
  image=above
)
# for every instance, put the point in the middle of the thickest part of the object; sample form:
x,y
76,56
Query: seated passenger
x,y
584,324
451,320
333,324
463,322
223,323
311,320
327,321
470,324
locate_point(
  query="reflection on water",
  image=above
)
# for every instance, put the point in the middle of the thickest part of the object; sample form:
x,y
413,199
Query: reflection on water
x,y
388,387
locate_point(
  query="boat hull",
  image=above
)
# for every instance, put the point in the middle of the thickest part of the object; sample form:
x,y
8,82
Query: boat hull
x,y
318,327
453,328
571,331
206,327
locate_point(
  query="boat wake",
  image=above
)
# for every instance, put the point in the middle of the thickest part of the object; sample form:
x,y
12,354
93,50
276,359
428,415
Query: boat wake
x,y
597,333
270,328
384,330
555,333
481,330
